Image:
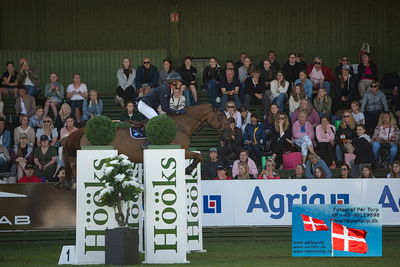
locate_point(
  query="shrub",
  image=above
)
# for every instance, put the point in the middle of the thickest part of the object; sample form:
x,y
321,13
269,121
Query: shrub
x,y
100,130
161,130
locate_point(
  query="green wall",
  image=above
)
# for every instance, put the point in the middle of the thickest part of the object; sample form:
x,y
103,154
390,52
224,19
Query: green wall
x,y
208,27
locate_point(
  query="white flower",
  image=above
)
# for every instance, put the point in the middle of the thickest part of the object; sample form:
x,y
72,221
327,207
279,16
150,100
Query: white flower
x,y
123,157
106,190
114,162
119,177
108,170
130,183
125,162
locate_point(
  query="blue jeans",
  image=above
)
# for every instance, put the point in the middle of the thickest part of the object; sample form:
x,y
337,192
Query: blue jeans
x,y
212,88
327,86
189,98
235,98
339,153
376,147
32,90
280,101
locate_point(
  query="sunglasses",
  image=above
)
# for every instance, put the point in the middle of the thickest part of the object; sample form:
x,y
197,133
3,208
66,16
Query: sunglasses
x,y
230,106
317,63
345,59
146,62
346,116
374,86
46,121
281,118
343,169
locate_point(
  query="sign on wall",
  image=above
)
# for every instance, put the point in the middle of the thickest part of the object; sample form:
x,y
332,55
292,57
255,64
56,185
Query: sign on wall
x,y
165,206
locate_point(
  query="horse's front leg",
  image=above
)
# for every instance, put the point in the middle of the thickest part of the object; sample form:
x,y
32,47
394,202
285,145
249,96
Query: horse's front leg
x,y
197,158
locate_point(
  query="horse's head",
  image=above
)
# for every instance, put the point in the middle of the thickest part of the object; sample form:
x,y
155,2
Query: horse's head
x,y
217,120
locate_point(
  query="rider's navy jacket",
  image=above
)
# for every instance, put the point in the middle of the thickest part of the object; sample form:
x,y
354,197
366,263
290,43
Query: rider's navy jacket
x,y
160,96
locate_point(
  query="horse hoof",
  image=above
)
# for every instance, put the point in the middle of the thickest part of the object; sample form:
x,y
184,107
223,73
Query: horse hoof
x,y
188,171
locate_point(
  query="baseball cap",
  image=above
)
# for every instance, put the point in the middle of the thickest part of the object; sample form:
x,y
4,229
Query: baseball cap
x,y
44,138
28,166
213,149
221,167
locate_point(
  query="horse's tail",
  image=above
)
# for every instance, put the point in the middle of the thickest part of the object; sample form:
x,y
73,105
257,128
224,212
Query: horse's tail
x,y
71,145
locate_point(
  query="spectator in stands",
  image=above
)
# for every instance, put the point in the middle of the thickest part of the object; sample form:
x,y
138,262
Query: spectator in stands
x,y
5,136
302,135
9,83
209,168
230,66
230,140
280,138
325,133
271,57
362,151
244,72
248,162
28,78
135,118
279,88
344,171
254,139
239,63
69,127
211,79
221,173
386,134
307,108
344,61
25,104
315,162
63,114
126,82
297,95
243,173
146,77
291,69
36,121
357,114
319,173
271,118
267,74
54,93
300,59
21,155
323,103
231,112
345,90
177,100
345,135
255,91
163,73
366,172
367,73
299,172
47,130
307,84
45,158
24,128
269,172
92,106
246,115
189,88
77,92
394,170
230,88
373,103
320,75
4,158
30,177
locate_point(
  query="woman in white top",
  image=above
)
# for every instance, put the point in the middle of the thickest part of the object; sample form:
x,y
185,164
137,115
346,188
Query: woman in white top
x,y
356,112
297,95
126,82
77,93
279,88
24,128
231,112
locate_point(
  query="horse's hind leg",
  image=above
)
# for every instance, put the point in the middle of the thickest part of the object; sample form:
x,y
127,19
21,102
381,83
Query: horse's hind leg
x,y
197,158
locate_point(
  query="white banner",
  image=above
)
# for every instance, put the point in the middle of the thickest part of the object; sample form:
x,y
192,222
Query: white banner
x,y
91,218
165,206
269,202
194,208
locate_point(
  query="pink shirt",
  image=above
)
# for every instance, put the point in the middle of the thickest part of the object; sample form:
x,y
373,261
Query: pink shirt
x,y
316,75
325,137
252,168
368,71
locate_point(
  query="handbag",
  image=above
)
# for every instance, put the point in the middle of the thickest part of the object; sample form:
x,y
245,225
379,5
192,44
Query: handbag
x,y
291,160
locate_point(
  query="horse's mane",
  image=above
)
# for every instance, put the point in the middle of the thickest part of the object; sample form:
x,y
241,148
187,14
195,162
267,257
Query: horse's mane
x,y
73,143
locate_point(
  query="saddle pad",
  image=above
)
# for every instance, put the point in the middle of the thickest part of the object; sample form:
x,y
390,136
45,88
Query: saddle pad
x,y
137,133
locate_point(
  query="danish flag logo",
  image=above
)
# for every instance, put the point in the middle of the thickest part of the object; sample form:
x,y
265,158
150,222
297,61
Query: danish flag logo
x,y
313,224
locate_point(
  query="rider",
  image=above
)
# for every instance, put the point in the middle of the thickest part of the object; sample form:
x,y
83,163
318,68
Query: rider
x,y
161,97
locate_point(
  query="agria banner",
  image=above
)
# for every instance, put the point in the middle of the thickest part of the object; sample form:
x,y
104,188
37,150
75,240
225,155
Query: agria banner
x,y
270,202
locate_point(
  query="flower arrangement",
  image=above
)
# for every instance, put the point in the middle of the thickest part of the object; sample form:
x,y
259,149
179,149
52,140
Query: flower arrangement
x,y
120,186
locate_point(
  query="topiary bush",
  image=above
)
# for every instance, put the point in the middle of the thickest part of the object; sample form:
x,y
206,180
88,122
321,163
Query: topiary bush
x,y
100,130
161,130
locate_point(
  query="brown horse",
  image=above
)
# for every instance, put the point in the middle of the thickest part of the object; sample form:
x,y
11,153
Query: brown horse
x,y
125,144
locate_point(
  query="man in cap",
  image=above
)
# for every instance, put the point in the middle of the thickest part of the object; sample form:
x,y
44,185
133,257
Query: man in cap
x,y
221,173
209,170
29,177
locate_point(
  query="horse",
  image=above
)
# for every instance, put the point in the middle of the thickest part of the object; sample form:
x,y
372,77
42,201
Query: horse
x,y
125,144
